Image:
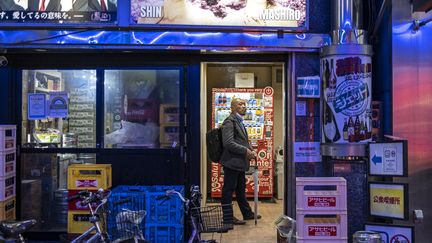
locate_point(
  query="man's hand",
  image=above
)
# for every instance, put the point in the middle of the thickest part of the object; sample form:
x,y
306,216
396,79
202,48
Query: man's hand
x,y
250,154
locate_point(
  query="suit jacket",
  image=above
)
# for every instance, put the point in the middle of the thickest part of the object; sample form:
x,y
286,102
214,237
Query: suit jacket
x,y
10,5
235,143
53,5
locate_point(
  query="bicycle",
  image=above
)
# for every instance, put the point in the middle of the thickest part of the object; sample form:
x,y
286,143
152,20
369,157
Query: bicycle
x,y
126,221
11,231
208,219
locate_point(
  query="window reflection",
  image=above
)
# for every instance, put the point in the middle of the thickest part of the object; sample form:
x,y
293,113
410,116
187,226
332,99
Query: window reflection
x,y
58,108
141,108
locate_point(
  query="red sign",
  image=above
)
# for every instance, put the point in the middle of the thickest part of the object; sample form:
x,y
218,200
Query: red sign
x,y
321,201
322,231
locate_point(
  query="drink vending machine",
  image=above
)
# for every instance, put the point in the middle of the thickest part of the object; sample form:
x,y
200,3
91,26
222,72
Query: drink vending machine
x,y
258,122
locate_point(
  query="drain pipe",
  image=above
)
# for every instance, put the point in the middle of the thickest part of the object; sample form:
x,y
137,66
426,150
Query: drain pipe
x,y
346,73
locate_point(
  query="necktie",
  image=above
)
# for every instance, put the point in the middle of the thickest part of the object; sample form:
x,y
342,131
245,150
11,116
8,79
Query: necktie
x,y
42,6
103,6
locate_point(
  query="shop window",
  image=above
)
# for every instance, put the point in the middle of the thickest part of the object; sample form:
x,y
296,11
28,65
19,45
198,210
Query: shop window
x,y
44,188
58,108
142,108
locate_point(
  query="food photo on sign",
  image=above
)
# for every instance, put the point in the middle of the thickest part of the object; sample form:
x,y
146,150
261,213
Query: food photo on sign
x,y
283,13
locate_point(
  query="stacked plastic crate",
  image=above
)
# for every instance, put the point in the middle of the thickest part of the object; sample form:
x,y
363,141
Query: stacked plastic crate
x,y
85,177
7,171
164,215
321,209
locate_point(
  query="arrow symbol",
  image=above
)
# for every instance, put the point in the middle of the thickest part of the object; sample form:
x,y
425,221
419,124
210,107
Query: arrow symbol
x,y
376,159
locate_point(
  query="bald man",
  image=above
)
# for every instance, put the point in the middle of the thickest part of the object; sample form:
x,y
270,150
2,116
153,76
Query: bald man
x,y
236,156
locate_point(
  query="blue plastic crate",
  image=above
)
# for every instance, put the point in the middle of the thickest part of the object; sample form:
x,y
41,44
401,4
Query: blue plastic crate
x,y
163,211
166,210
163,233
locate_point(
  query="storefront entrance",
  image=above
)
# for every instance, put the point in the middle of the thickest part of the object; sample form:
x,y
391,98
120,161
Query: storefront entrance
x,y
262,86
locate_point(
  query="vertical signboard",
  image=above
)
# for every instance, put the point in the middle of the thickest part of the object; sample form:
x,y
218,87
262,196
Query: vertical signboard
x,y
346,99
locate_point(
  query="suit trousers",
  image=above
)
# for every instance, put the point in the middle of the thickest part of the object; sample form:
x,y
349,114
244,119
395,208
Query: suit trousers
x,y
235,181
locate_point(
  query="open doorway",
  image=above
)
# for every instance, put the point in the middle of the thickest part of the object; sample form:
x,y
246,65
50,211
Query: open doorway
x,y
262,86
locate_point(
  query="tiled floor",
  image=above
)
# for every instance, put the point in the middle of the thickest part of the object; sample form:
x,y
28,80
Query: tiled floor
x,y
263,232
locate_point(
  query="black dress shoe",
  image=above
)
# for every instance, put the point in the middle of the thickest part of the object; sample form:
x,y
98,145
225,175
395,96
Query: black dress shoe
x,y
252,216
237,221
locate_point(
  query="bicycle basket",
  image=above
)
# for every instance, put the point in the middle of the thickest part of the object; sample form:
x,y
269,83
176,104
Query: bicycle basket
x,y
126,217
211,219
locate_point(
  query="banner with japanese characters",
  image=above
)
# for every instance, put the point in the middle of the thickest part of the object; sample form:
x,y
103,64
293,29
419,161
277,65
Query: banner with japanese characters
x,y
257,13
346,92
58,11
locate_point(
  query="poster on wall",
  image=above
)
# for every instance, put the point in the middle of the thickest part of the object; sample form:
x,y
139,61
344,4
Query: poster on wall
x,y
58,105
346,86
388,200
307,152
58,11
393,233
36,107
285,14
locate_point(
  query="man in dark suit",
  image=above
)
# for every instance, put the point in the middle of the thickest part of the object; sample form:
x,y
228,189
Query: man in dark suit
x,y
237,152
10,5
44,5
95,5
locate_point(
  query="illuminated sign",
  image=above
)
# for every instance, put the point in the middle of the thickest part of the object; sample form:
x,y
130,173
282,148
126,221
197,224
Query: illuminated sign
x,y
58,11
283,14
389,158
393,233
388,200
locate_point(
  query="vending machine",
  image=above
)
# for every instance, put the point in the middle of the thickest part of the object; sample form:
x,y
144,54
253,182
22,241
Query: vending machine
x,y
258,122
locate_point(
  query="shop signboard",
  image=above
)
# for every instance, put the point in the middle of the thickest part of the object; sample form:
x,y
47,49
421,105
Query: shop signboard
x,y
36,106
388,200
308,87
388,159
280,14
392,233
346,91
58,11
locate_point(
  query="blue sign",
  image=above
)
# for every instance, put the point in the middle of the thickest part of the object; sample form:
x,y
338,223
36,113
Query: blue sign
x,y
308,87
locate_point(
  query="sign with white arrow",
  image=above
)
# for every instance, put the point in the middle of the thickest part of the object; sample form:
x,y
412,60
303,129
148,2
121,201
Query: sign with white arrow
x,y
389,158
